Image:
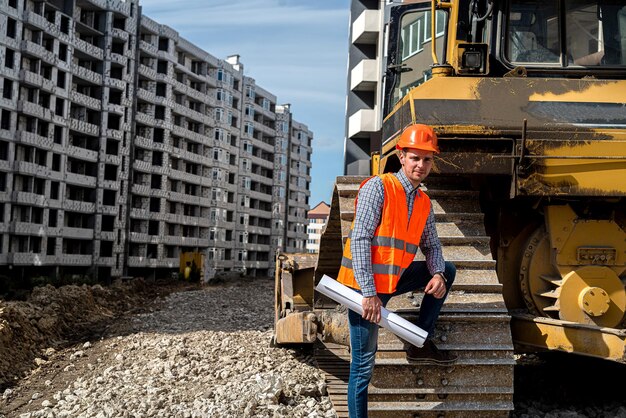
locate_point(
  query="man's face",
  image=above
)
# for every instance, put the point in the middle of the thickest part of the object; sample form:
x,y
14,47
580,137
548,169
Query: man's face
x,y
416,164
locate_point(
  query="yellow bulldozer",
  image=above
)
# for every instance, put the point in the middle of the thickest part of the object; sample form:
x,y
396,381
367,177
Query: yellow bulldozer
x,y
528,101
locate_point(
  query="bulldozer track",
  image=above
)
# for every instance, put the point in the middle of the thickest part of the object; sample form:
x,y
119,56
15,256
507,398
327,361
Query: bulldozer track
x,y
473,323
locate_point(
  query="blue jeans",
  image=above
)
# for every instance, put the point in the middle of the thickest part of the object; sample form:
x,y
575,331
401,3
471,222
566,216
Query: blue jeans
x,y
364,334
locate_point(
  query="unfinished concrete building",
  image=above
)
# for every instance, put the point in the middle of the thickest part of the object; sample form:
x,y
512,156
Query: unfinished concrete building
x,y
68,75
122,145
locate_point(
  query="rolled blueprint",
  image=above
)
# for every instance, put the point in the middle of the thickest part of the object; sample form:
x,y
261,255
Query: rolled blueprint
x,y
389,320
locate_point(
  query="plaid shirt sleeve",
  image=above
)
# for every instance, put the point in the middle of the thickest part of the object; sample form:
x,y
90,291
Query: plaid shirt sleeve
x,y
366,219
431,246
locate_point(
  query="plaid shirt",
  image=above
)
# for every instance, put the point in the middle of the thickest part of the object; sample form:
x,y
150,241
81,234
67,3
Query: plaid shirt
x,y
367,218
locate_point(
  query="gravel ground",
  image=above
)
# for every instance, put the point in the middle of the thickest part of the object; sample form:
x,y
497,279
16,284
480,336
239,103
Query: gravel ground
x,y
205,352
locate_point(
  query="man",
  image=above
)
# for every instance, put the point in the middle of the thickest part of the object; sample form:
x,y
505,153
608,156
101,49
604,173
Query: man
x,y
392,219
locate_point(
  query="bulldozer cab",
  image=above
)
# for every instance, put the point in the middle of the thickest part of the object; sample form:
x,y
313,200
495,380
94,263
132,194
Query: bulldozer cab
x,y
478,38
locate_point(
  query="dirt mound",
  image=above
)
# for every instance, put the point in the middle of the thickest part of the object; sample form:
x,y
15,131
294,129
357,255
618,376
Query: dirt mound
x,y
53,317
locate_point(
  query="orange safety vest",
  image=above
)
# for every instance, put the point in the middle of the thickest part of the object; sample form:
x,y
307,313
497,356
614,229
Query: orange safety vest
x,y
395,240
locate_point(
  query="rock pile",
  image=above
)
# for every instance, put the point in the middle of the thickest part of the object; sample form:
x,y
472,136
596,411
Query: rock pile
x,y
29,330
205,353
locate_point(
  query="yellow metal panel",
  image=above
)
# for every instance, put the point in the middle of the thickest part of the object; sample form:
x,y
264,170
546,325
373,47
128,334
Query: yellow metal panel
x,y
573,338
568,235
569,171
588,91
296,328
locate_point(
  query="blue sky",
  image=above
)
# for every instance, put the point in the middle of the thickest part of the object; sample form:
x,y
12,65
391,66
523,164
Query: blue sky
x,y
295,49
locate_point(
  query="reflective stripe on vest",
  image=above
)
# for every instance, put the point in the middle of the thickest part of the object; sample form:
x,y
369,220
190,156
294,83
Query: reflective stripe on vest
x,y
395,240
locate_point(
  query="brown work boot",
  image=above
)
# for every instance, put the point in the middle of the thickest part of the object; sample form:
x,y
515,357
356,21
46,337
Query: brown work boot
x,y
429,354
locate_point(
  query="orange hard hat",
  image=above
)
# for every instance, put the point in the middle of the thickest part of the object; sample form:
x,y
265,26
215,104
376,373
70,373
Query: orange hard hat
x,y
418,136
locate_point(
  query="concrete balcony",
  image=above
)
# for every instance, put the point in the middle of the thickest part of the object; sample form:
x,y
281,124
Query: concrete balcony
x,y
85,100
139,237
82,153
88,48
143,142
164,124
204,222
256,264
112,159
259,230
78,206
105,261
165,171
107,236
160,146
80,180
147,48
159,193
362,123
258,247
137,213
108,210
120,34
144,118
172,240
180,131
33,109
86,74
39,51
260,196
265,112
24,167
262,162
75,260
119,110
198,95
115,83
158,216
141,189
365,28
41,22
147,72
114,133
27,198
268,131
146,95
84,127
180,67
119,59
142,165
170,262
195,242
122,7
31,138
28,259
164,101
149,262
150,25
364,76
78,233
26,228
178,197
261,179
101,4
265,147
37,80
174,218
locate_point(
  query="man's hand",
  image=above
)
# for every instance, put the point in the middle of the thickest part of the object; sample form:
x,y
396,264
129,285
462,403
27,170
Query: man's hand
x,y
371,308
436,286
